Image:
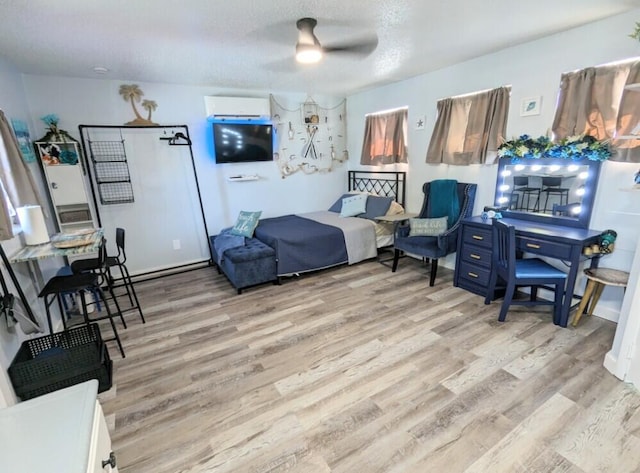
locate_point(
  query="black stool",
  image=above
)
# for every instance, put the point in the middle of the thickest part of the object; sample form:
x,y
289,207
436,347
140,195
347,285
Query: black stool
x,y
59,286
521,186
551,186
93,264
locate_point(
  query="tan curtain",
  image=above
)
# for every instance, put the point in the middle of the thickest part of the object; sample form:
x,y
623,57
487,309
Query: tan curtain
x,y
385,138
469,128
16,178
628,122
593,101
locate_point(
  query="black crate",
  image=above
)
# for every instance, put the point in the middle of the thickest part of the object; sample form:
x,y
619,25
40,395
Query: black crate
x,y
56,361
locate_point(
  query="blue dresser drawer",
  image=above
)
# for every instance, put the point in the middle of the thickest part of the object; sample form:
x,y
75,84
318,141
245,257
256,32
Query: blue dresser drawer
x,y
546,248
477,235
474,273
476,255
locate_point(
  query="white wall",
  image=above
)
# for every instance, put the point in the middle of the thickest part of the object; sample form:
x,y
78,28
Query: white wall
x,y
97,102
13,103
531,69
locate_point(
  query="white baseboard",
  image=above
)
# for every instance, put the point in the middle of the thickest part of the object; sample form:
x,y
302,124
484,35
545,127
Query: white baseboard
x,y
611,364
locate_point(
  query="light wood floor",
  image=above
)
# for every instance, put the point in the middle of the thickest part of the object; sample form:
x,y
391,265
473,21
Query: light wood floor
x,y
357,369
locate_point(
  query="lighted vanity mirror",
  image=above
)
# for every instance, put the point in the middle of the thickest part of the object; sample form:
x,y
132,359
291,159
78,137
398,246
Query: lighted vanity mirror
x,y
554,191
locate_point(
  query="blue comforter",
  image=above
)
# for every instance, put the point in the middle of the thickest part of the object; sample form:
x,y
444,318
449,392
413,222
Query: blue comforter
x,y
302,244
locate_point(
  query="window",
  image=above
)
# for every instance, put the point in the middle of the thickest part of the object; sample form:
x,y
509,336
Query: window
x,y
601,101
469,128
385,138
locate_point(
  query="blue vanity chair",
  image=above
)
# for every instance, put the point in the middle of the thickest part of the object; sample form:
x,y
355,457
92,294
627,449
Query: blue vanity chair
x,y
531,272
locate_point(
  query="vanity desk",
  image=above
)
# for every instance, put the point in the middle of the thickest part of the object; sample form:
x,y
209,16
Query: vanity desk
x,y
546,234
473,262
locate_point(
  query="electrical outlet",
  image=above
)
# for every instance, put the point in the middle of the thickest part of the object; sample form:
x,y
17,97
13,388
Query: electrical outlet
x,y
176,244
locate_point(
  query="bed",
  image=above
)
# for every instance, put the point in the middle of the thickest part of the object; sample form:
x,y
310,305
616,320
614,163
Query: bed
x,y
318,240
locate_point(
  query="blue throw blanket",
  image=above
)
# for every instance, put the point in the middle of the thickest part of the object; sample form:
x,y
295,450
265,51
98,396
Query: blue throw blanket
x,y
443,200
224,241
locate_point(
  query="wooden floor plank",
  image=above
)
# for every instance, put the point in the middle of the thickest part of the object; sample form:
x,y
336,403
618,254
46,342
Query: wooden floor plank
x,y
357,368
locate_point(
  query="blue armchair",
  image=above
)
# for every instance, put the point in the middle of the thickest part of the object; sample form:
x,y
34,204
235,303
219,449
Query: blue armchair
x,y
434,247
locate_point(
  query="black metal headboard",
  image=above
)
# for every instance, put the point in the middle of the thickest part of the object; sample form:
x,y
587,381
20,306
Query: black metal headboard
x,y
384,183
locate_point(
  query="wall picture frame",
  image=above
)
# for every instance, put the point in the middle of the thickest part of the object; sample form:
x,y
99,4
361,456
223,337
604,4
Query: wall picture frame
x,y
530,106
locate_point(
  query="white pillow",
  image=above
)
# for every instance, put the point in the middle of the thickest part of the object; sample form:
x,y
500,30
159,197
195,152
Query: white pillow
x,y
354,205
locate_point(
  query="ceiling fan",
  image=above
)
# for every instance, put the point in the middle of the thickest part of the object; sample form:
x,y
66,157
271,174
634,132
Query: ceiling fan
x,y
309,50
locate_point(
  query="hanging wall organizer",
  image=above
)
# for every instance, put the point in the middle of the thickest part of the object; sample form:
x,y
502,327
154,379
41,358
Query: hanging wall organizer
x,y
111,171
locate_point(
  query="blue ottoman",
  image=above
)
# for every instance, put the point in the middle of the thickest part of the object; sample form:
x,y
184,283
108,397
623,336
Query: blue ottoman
x,y
248,265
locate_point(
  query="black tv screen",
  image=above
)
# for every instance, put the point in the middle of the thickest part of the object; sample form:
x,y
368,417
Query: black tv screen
x,y
242,142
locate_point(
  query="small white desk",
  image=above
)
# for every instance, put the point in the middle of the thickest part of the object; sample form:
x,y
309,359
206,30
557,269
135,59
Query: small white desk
x,y
60,432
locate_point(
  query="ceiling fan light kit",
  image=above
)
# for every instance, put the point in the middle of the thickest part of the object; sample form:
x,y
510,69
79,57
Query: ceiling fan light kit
x,y
308,49
308,54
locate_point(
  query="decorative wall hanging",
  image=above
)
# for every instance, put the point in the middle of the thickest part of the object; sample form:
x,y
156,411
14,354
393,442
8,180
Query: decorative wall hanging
x,y
530,106
132,93
309,139
24,140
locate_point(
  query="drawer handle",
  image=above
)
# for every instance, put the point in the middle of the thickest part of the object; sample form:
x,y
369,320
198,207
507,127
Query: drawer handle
x,y
477,237
474,256
473,275
533,245
111,461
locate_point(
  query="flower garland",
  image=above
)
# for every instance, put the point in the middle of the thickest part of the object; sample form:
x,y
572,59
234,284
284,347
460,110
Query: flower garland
x,y
572,147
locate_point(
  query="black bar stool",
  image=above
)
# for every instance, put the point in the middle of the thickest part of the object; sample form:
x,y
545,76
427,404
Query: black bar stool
x,y
521,186
552,186
93,264
60,286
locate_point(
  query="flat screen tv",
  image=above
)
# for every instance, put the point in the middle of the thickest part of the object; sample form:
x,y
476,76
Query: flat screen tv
x,y
242,142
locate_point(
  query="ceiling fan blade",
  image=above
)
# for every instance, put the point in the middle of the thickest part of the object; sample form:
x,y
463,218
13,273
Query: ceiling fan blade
x,y
362,47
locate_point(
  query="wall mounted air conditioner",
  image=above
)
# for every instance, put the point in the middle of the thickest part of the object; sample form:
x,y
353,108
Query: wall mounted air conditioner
x,y
236,107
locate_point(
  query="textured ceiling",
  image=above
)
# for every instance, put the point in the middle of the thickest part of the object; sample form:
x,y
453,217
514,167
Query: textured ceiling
x,y
250,44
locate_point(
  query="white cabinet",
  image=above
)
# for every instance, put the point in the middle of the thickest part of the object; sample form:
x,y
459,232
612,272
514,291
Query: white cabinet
x,y
61,432
101,457
66,183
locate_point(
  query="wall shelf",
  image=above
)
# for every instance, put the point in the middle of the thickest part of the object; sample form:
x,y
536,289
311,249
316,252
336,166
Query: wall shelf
x,y
254,177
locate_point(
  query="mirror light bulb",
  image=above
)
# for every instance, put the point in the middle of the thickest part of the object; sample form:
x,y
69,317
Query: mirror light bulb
x,y
536,167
